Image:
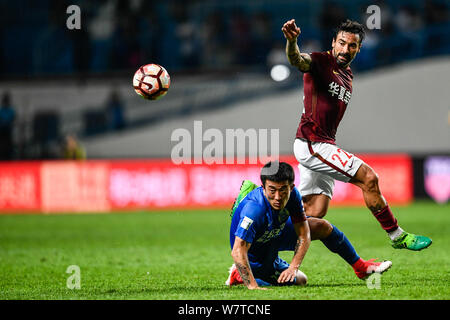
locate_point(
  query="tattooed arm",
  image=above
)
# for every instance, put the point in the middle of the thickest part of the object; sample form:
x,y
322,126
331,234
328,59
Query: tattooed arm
x,y
302,245
297,59
240,257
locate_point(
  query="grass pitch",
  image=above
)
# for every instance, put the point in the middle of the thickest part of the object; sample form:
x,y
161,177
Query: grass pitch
x,y
186,255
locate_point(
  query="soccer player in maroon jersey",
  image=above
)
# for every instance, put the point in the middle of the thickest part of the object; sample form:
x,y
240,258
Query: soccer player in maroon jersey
x,y
327,91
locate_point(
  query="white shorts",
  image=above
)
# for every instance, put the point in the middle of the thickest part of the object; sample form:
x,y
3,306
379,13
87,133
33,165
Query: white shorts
x,y
320,164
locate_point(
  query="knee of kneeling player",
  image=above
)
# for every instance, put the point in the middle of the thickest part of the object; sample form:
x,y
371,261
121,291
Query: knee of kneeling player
x,y
320,228
301,279
315,211
325,228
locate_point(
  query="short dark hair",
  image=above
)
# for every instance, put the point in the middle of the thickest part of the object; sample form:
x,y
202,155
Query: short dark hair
x,y
352,27
284,172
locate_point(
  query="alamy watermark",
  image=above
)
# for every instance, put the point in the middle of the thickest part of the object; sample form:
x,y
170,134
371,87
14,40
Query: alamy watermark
x,y
74,20
73,281
374,20
374,281
234,146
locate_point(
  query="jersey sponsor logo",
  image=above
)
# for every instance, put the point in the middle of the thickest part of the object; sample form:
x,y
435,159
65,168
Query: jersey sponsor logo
x,y
341,92
246,223
270,234
275,232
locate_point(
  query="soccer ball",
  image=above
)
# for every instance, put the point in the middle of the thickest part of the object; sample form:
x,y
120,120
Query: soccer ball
x,y
151,81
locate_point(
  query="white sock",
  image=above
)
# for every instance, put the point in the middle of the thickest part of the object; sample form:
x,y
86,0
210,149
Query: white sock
x,y
396,233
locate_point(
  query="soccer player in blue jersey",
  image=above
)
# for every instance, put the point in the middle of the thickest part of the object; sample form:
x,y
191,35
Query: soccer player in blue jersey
x,y
269,219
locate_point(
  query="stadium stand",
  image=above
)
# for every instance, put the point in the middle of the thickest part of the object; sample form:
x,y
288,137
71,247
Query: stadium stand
x,y
218,53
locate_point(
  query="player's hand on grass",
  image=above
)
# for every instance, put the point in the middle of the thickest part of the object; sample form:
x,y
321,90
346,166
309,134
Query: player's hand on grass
x,y
287,275
256,288
290,30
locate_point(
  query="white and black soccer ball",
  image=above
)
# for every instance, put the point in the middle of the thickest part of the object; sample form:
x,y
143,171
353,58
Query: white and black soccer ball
x,y
151,81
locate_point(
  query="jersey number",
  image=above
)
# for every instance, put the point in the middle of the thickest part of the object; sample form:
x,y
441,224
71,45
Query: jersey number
x,y
336,155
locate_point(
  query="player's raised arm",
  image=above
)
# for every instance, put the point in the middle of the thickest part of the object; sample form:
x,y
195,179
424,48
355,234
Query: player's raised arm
x,y
297,59
303,242
240,257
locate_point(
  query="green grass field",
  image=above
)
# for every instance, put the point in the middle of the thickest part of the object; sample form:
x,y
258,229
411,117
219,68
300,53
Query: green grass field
x,y
185,255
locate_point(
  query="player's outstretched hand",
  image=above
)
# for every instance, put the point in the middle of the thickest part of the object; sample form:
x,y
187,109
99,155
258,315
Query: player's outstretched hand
x,y
290,30
259,288
256,288
287,275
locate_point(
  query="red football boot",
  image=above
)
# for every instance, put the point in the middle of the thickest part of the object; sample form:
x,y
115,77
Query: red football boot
x,y
364,269
234,278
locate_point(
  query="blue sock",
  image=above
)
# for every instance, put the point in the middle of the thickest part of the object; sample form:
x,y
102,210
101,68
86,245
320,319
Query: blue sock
x,y
338,243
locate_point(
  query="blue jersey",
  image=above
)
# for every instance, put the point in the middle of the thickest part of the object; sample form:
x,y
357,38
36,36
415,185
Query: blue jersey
x,y
256,222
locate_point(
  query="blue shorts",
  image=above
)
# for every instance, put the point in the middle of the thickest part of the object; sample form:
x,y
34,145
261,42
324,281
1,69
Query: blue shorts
x,y
269,272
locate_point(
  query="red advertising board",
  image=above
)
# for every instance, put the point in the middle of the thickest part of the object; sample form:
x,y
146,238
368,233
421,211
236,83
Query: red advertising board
x,y
71,186
20,186
161,184
102,186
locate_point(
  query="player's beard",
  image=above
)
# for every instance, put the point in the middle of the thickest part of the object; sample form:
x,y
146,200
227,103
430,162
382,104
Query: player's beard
x,y
343,63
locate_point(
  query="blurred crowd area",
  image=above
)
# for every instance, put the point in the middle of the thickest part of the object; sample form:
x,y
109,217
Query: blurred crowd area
x,y
185,36
202,35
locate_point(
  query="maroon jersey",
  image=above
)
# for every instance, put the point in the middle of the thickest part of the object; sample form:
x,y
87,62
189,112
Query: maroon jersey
x,y
327,89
